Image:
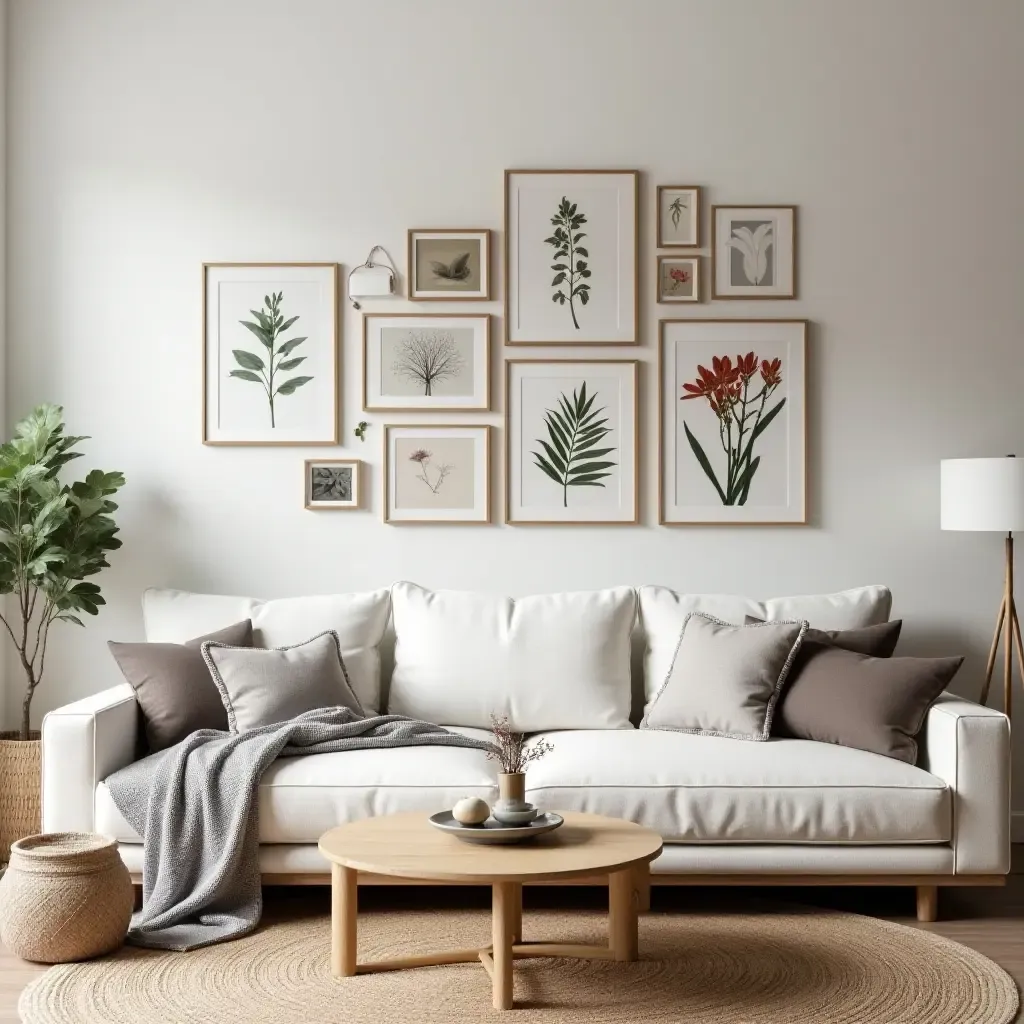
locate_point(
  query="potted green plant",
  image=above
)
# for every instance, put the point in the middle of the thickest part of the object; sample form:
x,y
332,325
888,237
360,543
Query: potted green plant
x,y
52,537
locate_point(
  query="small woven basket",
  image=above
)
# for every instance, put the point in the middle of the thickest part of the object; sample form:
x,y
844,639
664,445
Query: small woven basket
x,y
66,896
20,802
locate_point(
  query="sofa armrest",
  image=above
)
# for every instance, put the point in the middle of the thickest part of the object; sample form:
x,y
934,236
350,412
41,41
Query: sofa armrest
x,y
968,747
83,743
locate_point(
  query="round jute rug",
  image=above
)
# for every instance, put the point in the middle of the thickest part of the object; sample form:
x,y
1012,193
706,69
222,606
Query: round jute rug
x,y
796,967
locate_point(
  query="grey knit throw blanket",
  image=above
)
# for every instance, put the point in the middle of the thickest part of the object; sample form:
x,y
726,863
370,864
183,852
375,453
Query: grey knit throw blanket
x,y
195,807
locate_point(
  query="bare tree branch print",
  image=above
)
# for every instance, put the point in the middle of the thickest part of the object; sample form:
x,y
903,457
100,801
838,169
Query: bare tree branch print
x,y
427,357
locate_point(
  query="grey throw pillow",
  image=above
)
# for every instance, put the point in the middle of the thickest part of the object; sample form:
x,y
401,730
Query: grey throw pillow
x,y
264,686
725,679
172,684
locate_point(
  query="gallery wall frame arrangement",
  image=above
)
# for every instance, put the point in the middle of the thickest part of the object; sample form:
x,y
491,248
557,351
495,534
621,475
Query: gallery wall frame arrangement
x,y
732,413
426,361
678,279
332,484
753,252
572,442
437,473
449,264
571,257
678,211
270,354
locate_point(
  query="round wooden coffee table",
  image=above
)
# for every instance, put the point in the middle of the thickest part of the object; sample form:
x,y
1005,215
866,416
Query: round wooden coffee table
x,y
407,846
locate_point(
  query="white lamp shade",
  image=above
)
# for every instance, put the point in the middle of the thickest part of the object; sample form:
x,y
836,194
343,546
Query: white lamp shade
x,y
983,494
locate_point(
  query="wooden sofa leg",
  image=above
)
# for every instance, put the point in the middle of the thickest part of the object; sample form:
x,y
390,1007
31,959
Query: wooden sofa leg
x,y
927,903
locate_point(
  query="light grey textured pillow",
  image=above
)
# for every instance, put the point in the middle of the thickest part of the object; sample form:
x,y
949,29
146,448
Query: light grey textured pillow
x,y
724,679
264,686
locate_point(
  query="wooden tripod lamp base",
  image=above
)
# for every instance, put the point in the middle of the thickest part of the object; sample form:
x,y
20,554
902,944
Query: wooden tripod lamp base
x,y
1007,625
988,495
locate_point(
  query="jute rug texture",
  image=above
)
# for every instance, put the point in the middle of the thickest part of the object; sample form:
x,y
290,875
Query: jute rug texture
x,y
764,968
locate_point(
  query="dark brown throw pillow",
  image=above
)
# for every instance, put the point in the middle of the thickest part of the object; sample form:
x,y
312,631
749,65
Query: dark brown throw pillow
x,y
173,686
878,640
875,704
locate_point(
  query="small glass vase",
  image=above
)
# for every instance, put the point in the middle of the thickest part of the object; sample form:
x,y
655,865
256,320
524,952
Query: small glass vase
x,y
512,808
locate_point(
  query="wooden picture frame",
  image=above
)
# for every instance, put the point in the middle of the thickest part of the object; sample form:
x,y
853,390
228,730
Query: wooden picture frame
x,y
316,504
768,245
600,303
662,287
446,259
446,356
236,417
618,449
668,194
782,344
430,470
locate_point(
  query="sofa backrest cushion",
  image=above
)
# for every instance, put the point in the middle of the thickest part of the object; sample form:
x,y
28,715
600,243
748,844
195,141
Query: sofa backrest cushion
x,y
663,611
550,661
174,616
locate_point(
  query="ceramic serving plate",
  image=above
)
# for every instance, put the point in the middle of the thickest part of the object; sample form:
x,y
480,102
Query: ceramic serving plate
x,y
492,832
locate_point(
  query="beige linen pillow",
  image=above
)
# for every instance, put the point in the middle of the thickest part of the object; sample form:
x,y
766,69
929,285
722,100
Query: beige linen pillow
x,y
725,679
264,686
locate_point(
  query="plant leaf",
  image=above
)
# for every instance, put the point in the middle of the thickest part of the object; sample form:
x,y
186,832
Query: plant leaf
x,y
248,360
290,364
698,452
541,464
264,336
246,375
290,385
290,344
742,486
553,458
763,423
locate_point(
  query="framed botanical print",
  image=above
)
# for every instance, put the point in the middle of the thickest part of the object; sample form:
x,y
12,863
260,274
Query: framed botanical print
x,y
678,279
571,257
426,361
332,483
453,264
436,474
572,437
270,353
753,252
678,216
733,421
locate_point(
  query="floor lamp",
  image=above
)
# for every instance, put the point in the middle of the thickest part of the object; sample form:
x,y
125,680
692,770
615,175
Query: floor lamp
x,y
988,495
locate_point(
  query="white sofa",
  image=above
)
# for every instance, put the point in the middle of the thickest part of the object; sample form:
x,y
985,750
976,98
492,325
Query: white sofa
x,y
730,811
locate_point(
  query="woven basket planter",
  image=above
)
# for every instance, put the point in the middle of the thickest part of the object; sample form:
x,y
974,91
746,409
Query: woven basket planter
x,y
20,779
66,896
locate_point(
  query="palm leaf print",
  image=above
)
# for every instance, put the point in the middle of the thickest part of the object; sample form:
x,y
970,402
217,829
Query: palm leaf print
x,y
570,456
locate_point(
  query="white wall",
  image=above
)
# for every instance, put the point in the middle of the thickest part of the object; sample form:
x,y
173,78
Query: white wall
x,y
146,138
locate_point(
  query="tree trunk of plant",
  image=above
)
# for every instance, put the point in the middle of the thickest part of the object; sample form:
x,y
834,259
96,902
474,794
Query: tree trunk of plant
x,y
26,705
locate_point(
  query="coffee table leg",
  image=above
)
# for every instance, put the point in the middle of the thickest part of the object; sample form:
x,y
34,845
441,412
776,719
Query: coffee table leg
x,y
505,900
622,914
344,908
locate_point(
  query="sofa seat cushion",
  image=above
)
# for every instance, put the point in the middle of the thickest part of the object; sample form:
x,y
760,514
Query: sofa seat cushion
x,y
706,789
300,798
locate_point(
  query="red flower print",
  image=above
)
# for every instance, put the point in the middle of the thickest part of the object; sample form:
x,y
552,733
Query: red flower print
x,y
680,276
747,365
742,413
771,373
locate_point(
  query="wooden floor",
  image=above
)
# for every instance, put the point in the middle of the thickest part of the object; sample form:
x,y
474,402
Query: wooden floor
x,y
989,920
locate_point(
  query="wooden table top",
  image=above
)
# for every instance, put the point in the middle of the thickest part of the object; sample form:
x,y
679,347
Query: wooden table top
x,y
408,846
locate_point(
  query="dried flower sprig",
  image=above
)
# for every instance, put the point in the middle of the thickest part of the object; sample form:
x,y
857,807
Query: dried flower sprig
x,y
510,750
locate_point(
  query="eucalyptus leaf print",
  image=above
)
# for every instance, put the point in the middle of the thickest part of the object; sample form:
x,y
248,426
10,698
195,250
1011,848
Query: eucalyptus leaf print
x,y
266,369
570,456
754,246
570,264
